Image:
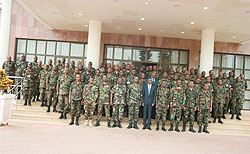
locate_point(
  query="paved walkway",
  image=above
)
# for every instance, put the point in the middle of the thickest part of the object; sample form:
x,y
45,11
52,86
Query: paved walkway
x,y
43,138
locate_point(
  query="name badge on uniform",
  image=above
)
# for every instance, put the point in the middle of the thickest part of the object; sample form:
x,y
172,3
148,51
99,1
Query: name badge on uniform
x,y
28,76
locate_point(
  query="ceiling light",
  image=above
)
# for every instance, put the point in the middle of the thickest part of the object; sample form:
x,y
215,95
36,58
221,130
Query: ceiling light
x,y
139,29
182,32
234,37
205,8
142,19
80,14
192,22
86,25
146,3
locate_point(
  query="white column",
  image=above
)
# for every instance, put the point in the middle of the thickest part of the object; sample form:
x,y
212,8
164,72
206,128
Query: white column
x,y
94,42
207,50
5,29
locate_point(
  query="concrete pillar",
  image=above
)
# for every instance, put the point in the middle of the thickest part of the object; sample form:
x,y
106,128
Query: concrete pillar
x,y
5,30
94,42
207,50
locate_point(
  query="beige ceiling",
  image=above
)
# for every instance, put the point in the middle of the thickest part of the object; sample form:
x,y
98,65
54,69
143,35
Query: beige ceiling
x,y
166,18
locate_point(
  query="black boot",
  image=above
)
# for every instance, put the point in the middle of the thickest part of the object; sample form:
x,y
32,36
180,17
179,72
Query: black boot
x,y
25,103
65,115
114,125
29,103
163,127
54,109
48,110
119,124
130,125
214,120
77,121
157,127
109,126
42,104
171,127
191,129
45,103
176,127
37,98
232,116
240,113
34,99
184,127
199,129
72,121
135,126
205,129
219,121
97,123
238,116
61,116
223,116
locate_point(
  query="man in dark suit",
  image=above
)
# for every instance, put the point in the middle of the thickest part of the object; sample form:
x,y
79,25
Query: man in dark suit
x,y
148,101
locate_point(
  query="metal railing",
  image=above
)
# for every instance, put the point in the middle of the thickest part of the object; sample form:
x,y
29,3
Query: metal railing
x,y
17,86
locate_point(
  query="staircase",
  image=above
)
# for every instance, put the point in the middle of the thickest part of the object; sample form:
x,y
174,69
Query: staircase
x,y
35,113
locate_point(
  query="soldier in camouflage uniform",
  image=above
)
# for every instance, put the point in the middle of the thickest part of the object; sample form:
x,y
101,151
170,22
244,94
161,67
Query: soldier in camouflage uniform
x,y
219,101
103,101
28,84
98,78
9,67
90,94
110,77
21,65
190,107
164,78
75,99
162,104
36,74
37,82
130,78
238,98
177,96
228,93
124,79
43,76
87,75
51,83
134,98
63,87
118,92
50,65
204,108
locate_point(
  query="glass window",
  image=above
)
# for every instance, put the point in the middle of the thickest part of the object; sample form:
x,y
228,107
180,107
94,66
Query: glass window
x,y
31,46
216,72
29,58
239,62
228,61
139,54
154,56
41,45
226,70
117,63
109,61
18,57
86,50
247,62
174,57
48,58
85,63
76,60
183,57
109,52
217,60
127,53
118,52
51,47
247,74
40,58
238,72
174,67
62,48
246,105
247,94
76,50
21,46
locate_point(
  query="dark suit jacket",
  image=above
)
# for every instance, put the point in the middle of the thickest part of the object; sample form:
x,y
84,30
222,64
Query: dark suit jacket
x,y
155,83
149,100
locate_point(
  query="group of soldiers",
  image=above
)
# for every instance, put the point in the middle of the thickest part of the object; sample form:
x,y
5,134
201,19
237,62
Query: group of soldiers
x,y
113,90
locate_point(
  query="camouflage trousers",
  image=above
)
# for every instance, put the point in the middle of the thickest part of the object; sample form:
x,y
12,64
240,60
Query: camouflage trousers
x,y
175,113
89,110
226,105
133,114
27,93
107,111
75,108
189,115
237,105
218,109
203,117
52,98
161,113
64,106
43,95
36,88
118,110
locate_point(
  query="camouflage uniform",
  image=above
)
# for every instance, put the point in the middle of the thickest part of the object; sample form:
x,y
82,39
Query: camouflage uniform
x,y
219,100
176,103
134,98
36,74
86,77
97,80
204,106
119,93
103,101
238,97
190,105
76,98
90,93
111,79
28,84
43,93
9,68
52,82
168,82
65,83
50,68
162,104
20,67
